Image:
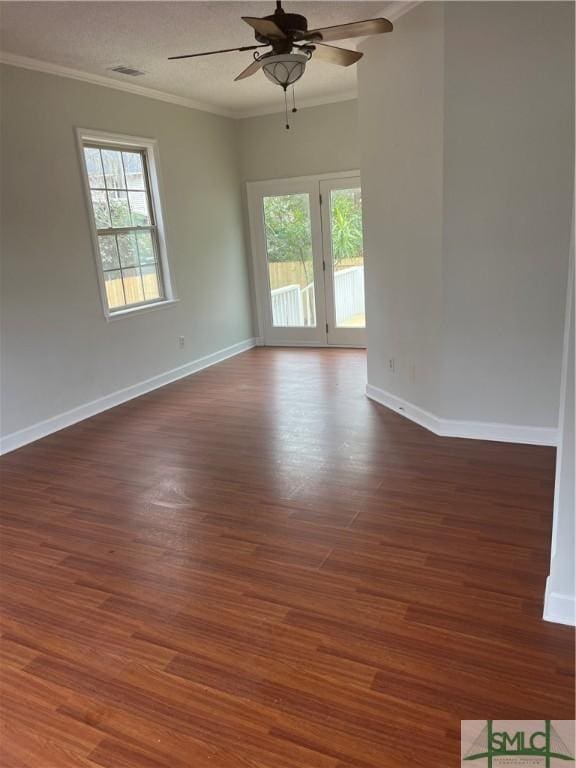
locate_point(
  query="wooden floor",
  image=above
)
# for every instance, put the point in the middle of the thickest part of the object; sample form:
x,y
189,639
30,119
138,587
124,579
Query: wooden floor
x,y
257,567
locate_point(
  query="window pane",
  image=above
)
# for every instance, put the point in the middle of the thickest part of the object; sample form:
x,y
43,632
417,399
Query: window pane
x,y
112,160
133,286
290,267
348,257
139,208
146,248
128,246
101,212
108,252
128,250
119,210
133,170
151,285
94,167
114,289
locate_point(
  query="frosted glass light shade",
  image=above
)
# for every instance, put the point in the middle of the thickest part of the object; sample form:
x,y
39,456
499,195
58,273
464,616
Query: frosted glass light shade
x,y
285,68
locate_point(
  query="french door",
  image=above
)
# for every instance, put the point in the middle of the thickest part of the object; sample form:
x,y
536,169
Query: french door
x,y
308,260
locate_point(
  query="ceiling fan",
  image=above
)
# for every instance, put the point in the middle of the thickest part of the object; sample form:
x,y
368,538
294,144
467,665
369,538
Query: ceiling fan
x,y
293,45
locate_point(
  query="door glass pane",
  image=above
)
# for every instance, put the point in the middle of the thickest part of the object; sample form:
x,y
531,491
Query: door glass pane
x,y
290,266
348,257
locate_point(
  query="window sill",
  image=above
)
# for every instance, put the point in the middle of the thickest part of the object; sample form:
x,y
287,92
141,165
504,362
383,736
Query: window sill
x,y
132,311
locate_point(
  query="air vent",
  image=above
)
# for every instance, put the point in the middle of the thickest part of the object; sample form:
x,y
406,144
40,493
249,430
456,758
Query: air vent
x,y
127,71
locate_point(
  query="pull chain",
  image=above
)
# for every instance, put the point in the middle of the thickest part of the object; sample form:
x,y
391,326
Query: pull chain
x,y
286,109
293,101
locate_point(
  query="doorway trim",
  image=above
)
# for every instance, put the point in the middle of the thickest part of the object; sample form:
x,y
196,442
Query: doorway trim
x,y
258,279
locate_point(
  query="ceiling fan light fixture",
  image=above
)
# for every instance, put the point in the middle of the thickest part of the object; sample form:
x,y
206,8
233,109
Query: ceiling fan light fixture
x,y
285,69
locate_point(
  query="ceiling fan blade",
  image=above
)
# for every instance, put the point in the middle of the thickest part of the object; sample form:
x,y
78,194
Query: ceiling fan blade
x,y
265,27
251,69
332,55
211,53
344,31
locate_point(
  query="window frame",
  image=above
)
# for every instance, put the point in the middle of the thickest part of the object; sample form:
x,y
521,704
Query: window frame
x,y
149,147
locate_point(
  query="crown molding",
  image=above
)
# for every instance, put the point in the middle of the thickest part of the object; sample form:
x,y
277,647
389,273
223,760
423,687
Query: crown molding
x,y
25,62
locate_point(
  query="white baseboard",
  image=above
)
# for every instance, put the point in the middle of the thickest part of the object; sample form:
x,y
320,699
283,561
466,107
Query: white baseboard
x,y
559,608
309,345
275,343
411,411
472,430
60,421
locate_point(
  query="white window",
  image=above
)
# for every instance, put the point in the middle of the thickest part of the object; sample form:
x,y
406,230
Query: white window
x,y
120,174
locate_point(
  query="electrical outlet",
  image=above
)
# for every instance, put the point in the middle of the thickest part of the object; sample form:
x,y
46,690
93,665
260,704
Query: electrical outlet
x,y
181,342
391,364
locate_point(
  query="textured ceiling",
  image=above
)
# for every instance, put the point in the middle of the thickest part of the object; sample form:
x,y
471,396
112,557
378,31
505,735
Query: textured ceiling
x,y
94,36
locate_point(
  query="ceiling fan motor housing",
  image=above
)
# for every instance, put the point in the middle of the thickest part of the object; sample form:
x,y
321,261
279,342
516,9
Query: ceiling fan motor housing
x,y
288,22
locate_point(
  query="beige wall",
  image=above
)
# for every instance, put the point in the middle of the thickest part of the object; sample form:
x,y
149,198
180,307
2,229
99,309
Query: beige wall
x,y
508,183
321,140
401,94
467,132
58,351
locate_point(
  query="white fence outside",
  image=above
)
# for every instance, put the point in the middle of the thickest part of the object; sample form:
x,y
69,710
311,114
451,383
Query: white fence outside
x,y
295,306
348,293
287,307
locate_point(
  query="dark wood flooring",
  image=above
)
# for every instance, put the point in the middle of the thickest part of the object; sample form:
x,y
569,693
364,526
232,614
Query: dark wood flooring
x,y
257,567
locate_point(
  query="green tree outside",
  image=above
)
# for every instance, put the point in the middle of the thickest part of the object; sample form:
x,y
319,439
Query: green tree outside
x,y
346,224
287,219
